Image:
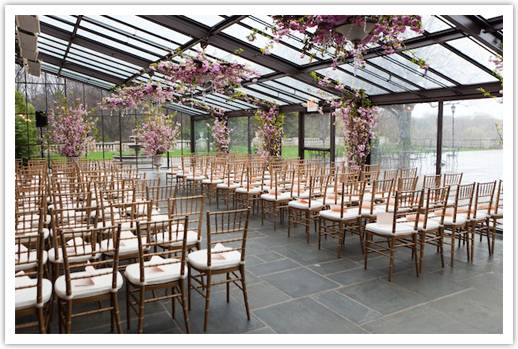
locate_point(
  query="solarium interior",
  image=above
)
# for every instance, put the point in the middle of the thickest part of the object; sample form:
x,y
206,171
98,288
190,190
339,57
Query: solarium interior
x,y
437,123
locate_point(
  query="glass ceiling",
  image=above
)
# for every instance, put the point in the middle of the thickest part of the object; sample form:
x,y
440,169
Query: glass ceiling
x,y
117,50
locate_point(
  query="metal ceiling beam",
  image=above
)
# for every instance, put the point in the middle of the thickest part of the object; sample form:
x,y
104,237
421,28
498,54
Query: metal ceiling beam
x,y
445,94
482,31
94,45
70,41
79,68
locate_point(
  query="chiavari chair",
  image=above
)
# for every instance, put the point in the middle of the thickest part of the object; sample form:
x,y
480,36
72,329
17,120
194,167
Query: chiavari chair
x,y
341,214
159,197
390,174
233,179
377,199
155,270
432,181
451,179
497,213
407,172
32,294
225,255
87,278
278,194
214,174
481,213
304,210
456,218
391,232
249,194
406,183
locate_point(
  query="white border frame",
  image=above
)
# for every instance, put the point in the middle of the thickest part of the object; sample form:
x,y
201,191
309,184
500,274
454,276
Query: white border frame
x,y
508,287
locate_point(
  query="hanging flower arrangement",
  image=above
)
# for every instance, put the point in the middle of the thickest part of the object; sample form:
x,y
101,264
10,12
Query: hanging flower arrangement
x,y
158,133
221,133
349,36
133,96
70,130
359,117
210,75
270,125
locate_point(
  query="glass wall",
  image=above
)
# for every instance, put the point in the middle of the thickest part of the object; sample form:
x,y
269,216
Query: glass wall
x,y
113,132
472,139
406,136
239,134
317,133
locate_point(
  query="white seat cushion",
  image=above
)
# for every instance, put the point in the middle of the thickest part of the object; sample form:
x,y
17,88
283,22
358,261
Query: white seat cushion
x,y
213,181
280,197
166,271
315,205
29,260
128,244
86,250
195,178
243,190
101,284
227,186
159,217
198,259
335,215
386,229
431,224
26,297
192,238
448,220
303,195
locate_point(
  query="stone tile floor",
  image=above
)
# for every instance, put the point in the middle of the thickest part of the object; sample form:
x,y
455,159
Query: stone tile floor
x,y
295,288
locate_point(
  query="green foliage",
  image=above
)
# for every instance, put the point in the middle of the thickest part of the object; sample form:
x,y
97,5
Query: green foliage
x,y
26,133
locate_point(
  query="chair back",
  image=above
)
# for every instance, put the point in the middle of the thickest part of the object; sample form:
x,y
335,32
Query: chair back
x,y
191,207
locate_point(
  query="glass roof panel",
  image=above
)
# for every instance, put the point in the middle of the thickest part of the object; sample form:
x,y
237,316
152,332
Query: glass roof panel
x,y
260,95
78,76
230,57
474,50
398,59
305,87
291,91
235,101
414,74
73,53
450,64
51,41
207,20
152,27
430,23
380,77
56,23
103,57
241,33
125,38
351,81
281,96
214,104
145,55
52,51
97,66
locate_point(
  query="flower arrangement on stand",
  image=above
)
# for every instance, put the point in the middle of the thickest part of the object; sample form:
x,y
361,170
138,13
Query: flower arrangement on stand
x,y
158,134
349,35
221,133
270,125
71,130
129,97
359,117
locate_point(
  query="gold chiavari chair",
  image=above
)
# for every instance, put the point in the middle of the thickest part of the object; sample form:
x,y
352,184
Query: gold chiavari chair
x,y
432,181
225,255
406,183
342,215
497,213
451,179
393,233
305,210
249,194
278,194
407,172
377,199
456,218
159,197
390,174
87,278
481,213
155,270
32,295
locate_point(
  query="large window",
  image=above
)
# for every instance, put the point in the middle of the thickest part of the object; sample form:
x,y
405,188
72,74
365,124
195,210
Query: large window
x,y
405,136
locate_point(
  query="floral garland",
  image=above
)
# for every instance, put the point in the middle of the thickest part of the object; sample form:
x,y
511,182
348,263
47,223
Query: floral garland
x,y
70,129
221,132
271,131
359,117
129,97
195,72
385,30
158,133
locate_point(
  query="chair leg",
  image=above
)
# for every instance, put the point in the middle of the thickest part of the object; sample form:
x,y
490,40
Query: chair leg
x,y
452,245
116,311
184,307
207,302
173,301
341,240
262,212
366,249
319,231
422,237
440,243
128,307
41,320
493,237
228,287
60,316
289,220
245,293
142,292
417,260
69,317
308,224
189,285
391,257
